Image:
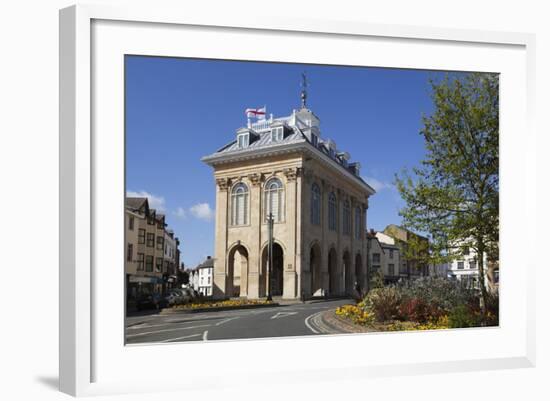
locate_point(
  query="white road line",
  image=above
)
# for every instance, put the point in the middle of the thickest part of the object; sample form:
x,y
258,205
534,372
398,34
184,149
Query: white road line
x,y
282,314
226,320
205,336
162,331
308,325
179,338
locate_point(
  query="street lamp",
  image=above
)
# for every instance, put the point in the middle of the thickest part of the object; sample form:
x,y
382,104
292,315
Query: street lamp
x,y
269,255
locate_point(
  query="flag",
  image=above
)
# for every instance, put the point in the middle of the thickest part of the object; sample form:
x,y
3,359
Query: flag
x,y
259,113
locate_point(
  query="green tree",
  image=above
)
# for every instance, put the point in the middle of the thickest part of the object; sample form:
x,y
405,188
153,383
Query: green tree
x,y
454,194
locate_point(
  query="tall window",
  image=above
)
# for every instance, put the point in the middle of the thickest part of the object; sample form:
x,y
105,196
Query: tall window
x,y
141,236
159,265
391,269
358,223
347,218
149,263
332,212
239,205
140,261
150,239
130,253
391,253
160,242
131,223
315,204
274,199
375,258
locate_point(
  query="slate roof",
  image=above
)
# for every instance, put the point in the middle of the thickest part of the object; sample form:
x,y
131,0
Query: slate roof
x,y
263,142
209,262
135,203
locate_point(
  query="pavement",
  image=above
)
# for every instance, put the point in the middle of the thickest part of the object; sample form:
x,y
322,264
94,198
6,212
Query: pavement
x,y
294,319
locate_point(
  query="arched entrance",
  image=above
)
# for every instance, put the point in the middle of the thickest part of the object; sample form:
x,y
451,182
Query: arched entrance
x,y
315,269
359,270
237,272
347,272
276,270
332,272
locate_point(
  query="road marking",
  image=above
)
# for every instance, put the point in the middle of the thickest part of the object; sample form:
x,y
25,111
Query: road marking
x,y
283,314
180,338
308,325
226,320
205,336
162,331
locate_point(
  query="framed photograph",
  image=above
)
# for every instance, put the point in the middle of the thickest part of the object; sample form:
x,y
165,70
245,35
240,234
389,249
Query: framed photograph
x,y
335,198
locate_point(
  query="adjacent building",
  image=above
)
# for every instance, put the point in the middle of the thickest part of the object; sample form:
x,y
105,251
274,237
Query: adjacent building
x,y
284,168
384,256
206,277
150,254
412,261
465,269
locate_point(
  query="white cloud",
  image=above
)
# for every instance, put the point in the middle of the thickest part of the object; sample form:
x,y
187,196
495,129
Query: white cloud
x,y
181,213
202,211
155,202
377,184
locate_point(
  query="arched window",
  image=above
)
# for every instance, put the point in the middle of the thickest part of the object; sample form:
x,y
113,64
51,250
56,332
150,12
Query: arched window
x,y
347,218
239,205
358,222
315,204
332,212
274,199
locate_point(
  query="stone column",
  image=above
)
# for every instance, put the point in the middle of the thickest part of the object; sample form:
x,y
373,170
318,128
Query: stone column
x,y
220,252
254,258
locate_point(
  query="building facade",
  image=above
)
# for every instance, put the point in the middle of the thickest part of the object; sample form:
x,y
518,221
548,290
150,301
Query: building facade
x,y
384,256
283,168
205,278
466,270
147,261
411,264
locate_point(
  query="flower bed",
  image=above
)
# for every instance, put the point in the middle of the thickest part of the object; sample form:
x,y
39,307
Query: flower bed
x,y
221,304
423,304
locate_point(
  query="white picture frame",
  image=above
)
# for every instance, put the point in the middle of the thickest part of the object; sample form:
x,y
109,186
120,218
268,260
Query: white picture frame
x,y
86,351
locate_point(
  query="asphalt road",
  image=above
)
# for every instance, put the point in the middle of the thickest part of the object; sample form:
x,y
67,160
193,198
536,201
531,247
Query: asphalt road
x,y
278,321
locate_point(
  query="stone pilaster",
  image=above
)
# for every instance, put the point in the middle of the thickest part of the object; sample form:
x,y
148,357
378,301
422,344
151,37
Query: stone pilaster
x,y
220,252
254,258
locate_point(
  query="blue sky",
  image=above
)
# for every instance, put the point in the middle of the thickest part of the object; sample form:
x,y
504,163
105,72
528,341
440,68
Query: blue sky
x,y
178,110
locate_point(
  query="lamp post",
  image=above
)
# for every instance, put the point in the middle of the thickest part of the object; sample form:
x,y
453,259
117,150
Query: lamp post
x,y
269,255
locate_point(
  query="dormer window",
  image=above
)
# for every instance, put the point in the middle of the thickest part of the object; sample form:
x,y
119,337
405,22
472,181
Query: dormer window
x,y
277,134
314,140
243,140
331,153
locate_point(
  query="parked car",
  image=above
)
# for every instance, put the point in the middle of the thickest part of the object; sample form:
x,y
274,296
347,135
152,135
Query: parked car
x,y
150,301
178,296
173,298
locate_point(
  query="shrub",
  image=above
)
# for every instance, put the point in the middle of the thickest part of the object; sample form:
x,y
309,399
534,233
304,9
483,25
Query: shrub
x,y
440,294
383,303
492,307
463,316
418,310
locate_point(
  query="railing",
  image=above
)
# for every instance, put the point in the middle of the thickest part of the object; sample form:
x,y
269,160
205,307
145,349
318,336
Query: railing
x,y
261,125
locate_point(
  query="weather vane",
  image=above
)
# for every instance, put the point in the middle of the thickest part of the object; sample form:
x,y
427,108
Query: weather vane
x,y
304,89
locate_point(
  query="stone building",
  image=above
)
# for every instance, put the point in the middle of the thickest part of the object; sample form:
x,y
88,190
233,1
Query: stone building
x,y
384,256
413,249
318,201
